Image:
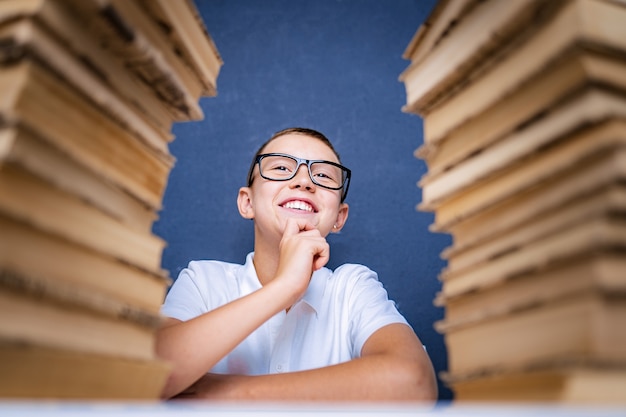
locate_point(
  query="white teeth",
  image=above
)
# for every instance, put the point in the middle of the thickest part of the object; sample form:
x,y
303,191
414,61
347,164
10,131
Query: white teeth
x,y
298,205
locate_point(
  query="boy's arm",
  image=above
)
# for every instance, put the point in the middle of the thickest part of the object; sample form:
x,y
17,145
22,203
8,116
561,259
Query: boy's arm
x,y
393,367
195,346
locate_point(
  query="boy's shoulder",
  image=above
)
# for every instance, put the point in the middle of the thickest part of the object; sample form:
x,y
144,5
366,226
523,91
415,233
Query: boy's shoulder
x,y
353,268
208,270
354,272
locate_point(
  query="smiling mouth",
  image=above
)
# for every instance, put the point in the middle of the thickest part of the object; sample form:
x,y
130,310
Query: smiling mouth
x,y
299,205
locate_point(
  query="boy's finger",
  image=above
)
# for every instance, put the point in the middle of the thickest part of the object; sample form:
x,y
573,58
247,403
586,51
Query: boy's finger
x,y
291,228
295,226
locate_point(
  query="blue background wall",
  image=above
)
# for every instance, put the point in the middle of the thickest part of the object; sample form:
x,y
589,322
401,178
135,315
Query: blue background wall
x,y
331,65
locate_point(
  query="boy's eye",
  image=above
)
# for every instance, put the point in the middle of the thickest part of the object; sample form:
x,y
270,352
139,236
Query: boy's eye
x,y
281,168
278,167
321,175
325,172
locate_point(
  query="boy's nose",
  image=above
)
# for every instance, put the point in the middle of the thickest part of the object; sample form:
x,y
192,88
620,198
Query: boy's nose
x,y
303,177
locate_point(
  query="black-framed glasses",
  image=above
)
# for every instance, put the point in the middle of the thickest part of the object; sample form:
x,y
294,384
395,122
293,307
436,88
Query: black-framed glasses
x,y
283,167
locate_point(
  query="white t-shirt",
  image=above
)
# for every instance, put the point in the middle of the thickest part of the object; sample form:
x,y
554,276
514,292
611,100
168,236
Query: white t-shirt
x,y
328,325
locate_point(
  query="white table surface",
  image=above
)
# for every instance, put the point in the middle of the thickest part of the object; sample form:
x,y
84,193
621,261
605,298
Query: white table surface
x,y
160,409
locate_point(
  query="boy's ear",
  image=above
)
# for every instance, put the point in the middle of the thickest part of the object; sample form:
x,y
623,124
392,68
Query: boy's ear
x,y
244,203
342,217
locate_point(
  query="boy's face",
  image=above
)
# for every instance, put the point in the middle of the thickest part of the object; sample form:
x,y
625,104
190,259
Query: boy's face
x,y
271,203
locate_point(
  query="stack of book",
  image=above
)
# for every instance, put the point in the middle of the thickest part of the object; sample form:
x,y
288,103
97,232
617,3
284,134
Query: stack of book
x,y
524,111
89,91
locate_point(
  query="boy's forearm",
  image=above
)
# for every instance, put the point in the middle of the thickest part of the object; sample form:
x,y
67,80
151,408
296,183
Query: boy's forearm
x,y
195,346
365,379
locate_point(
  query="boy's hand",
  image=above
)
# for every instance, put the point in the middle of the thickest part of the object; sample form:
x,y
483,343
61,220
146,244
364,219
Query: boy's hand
x,y
303,250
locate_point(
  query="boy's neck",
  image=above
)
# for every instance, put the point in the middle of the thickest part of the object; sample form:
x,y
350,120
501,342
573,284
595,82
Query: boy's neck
x,y
265,263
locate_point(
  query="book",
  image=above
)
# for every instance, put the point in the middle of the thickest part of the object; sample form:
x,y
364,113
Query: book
x,y
551,383
128,33
442,20
524,120
23,40
578,327
606,202
536,202
39,157
43,321
513,150
39,372
169,30
466,48
574,25
123,29
555,103
40,288
33,258
189,37
582,272
175,81
36,99
89,93
54,22
582,151
595,234
25,197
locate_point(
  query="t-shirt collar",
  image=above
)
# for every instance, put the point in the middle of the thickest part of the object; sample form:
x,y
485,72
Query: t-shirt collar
x,y
314,293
